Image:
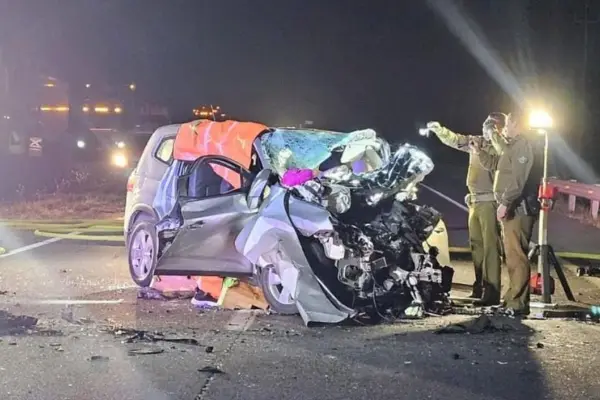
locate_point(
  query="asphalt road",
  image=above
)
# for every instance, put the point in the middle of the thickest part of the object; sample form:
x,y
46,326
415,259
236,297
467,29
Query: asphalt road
x,y
76,351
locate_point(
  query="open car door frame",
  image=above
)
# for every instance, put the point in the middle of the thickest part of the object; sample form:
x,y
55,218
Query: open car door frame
x,y
205,242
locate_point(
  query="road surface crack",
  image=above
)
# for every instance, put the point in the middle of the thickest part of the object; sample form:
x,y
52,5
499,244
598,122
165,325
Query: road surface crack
x,y
238,325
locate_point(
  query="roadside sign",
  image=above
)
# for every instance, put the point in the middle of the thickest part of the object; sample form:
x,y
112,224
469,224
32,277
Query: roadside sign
x,y
15,144
35,146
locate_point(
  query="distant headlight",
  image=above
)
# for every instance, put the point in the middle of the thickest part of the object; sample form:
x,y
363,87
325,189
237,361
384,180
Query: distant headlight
x,y
120,145
81,144
119,160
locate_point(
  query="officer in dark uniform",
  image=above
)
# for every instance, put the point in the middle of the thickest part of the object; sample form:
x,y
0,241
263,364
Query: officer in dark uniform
x,y
484,234
516,181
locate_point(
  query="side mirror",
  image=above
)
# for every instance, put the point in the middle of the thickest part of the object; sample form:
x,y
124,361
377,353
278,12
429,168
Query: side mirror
x,y
257,189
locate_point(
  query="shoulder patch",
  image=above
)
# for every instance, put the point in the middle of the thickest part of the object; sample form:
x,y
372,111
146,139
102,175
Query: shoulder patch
x,y
522,160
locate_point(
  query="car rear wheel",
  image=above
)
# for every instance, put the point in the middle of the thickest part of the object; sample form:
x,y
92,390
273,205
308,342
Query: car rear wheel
x,y
278,297
142,252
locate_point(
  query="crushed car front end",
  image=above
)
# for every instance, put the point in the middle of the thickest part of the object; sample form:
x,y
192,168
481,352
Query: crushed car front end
x,y
349,243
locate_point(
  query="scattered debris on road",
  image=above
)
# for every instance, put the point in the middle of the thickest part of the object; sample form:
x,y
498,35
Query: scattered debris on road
x,y
155,294
482,324
589,270
134,336
66,314
145,351
211,370
11,324
143,336
98,358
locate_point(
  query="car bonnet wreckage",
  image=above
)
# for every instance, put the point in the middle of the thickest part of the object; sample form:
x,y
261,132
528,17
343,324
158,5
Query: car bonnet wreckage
x,y
339,245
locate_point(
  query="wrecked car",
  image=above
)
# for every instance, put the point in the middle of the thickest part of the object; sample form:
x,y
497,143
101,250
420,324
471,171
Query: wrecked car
x,y
350,241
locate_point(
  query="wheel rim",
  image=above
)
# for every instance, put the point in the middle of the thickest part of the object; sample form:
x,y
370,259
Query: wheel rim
x,y
277,290
142,254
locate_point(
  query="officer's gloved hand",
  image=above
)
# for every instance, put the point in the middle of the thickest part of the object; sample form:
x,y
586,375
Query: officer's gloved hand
x,y
435,127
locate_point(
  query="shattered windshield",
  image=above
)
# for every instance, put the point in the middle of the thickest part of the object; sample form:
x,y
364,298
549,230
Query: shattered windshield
x,y
288,149
306,149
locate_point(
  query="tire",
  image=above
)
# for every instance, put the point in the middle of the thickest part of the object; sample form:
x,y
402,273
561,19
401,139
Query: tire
x,y
142,252
268,291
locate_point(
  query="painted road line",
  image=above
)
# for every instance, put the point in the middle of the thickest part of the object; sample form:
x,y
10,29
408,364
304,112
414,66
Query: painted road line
x,y
30,247
449,199
241,320
74,302
58,302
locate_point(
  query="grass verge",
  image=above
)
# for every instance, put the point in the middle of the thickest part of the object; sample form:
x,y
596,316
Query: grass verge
x,y
66,206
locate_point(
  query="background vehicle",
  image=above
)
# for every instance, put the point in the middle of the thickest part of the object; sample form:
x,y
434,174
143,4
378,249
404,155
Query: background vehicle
x,y
127,150
209,112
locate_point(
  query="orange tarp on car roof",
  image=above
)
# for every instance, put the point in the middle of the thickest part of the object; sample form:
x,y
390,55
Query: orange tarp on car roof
x,y
231,139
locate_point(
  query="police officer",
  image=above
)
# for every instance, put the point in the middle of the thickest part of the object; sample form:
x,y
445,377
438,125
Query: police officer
x,y
516,181
483,229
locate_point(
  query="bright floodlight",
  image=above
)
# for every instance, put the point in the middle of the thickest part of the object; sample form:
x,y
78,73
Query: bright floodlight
x,y
80,144
540,120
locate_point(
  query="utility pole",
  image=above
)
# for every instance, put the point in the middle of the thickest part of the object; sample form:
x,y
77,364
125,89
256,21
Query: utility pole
x,y
4,84
586,22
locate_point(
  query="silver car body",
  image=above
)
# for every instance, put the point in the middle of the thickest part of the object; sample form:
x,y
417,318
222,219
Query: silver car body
x,y
241,232
146,177
270,240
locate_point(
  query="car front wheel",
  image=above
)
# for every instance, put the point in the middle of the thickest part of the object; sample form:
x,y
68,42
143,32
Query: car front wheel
x,y
278,297
142,252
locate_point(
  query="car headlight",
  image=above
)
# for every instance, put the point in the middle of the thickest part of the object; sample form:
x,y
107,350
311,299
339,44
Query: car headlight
x,y
119,160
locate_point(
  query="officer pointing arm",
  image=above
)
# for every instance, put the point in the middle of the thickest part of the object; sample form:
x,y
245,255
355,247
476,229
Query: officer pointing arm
x,y
483,230
451,139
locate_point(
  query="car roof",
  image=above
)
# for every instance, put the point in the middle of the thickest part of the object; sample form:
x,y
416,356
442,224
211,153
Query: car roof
x,y
167,130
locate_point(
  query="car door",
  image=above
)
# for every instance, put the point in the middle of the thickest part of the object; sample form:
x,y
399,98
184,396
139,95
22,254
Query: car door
x,y
213,212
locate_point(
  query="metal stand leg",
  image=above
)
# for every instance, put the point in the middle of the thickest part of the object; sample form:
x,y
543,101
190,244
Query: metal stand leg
x,y
547,252
561,274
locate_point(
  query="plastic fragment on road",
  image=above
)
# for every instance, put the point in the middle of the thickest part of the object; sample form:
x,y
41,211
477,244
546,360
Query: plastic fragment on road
x,y
145,351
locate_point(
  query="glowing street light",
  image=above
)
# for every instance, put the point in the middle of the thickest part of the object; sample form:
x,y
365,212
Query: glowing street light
x,y
132,87
542,121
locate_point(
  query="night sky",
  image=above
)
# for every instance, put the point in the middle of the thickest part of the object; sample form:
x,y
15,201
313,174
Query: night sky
x,y
345,64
